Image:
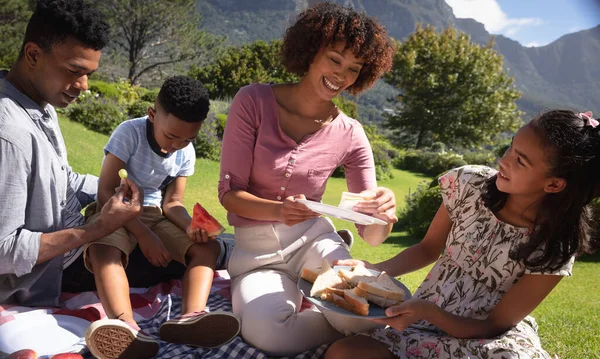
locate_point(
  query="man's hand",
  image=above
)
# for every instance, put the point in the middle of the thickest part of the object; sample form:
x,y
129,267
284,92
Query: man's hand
x,y
292,212
153,248
122,207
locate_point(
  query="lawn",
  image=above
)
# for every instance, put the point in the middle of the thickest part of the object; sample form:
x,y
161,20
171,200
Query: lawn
x,y
569,318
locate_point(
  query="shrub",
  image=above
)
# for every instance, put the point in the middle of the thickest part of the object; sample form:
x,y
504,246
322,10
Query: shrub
x,y
138,109
429,163
104,89
99,115
421,206
221,120
208,144
150,96
484,158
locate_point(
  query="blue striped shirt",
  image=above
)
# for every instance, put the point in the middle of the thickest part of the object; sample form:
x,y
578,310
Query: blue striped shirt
x,y
133,143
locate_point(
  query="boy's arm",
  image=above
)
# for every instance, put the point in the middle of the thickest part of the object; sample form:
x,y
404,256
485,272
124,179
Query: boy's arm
x,y
173,203
149,243
109,180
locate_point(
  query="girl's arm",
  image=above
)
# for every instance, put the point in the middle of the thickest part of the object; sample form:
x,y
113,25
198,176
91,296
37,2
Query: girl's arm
x,y
419,255
516,304
423,253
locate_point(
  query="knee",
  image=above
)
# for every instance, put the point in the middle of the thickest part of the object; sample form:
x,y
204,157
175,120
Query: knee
x,y
359,346
101,255
203,254
266,333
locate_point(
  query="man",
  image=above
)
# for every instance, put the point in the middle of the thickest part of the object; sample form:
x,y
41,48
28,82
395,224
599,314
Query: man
x,y
41,228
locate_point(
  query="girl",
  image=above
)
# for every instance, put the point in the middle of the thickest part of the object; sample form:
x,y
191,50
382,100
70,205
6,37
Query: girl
x,y
281,143
507,236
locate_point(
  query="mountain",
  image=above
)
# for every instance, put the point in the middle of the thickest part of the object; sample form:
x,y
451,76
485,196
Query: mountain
x,y
564,73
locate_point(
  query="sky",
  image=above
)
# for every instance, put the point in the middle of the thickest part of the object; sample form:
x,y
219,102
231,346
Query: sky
x,y
530,22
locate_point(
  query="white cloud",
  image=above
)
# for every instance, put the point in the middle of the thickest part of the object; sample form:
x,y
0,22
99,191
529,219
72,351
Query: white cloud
x,y
575,29
489,13
533,44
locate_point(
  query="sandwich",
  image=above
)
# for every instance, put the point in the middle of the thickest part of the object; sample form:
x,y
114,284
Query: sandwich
x,y
349,199
356,274
353,289
382,291
327,278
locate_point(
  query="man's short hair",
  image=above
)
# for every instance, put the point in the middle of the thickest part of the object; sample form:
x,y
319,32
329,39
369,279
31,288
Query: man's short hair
x,y
184,98
53,21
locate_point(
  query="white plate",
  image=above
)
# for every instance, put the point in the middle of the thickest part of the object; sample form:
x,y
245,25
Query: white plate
x,y
375,311
47,334
337,212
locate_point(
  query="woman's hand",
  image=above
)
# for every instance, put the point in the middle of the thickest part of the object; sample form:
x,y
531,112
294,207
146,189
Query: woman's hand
x,y
292,212
382,206
403,315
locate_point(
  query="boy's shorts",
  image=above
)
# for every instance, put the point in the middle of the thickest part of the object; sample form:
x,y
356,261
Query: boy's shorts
x,y
177,244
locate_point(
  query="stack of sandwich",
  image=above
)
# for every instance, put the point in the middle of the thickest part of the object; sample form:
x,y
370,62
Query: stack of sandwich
x,y
353,289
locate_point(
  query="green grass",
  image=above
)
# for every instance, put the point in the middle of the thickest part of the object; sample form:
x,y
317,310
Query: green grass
x,y
569,318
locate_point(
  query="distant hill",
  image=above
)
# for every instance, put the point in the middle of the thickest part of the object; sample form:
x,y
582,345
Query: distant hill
x,y
563,73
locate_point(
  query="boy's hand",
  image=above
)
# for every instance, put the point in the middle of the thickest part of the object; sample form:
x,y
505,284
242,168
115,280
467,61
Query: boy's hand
x,y
154,250
198,235
122,207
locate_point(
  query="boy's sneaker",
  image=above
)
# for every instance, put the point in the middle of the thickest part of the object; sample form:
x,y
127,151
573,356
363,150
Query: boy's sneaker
x,y
201,329
113,338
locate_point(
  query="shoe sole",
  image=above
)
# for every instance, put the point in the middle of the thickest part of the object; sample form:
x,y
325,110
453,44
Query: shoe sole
x,y
114,341
208,331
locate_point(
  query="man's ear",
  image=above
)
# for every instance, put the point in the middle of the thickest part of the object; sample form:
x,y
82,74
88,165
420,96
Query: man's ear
x,y
555,185
32,53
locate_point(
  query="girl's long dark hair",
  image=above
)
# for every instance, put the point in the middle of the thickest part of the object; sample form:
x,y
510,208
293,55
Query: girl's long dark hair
x,y
562,225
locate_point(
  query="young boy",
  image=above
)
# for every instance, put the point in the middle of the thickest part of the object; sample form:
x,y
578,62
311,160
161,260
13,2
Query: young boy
x,y
158,155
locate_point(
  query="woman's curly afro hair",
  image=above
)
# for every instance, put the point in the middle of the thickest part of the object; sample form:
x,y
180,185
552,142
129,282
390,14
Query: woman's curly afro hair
x,y
325,24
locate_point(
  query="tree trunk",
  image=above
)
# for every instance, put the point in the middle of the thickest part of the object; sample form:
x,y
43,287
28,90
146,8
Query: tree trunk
x,y
421,137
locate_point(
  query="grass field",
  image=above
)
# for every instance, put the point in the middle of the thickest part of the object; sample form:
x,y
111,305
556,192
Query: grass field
x,y
569,318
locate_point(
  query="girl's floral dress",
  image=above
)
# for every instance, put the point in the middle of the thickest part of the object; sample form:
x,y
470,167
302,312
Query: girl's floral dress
x,y
469,279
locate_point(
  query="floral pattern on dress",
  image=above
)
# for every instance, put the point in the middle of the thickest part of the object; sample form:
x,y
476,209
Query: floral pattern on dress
x,y
470,278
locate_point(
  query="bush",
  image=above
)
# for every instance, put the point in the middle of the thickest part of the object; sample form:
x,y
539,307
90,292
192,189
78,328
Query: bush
x,y
208,144
98,115
421,206
429,163
150,96
221,120
384,154
139,109
104,89
484,158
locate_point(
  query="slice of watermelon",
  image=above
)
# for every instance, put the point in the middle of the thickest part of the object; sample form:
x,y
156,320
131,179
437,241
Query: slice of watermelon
x,y
203,220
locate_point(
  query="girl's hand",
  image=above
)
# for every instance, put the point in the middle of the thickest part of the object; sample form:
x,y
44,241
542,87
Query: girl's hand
x,y
292,212
198,235
353,262
383,206
402,316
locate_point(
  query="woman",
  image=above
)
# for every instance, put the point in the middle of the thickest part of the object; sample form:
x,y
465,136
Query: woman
x,y
281,143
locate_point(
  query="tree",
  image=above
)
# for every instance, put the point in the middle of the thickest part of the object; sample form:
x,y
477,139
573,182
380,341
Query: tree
x,y
451,90
14,15
240,66
154,33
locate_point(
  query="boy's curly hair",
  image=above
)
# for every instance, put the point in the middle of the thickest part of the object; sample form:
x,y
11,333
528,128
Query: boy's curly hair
x,y
325,24
53,21
184,98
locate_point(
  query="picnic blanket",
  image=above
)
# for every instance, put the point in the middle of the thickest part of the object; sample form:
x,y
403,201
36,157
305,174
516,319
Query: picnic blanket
x,y
152,307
